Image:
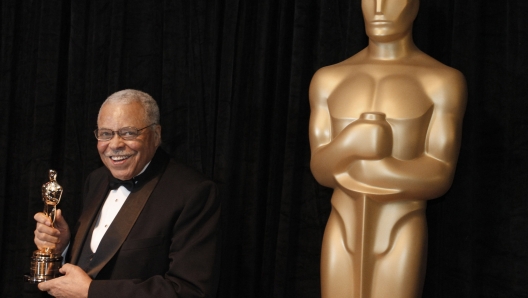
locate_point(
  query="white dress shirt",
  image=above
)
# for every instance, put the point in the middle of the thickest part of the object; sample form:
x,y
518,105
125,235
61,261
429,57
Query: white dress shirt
x,y
114,201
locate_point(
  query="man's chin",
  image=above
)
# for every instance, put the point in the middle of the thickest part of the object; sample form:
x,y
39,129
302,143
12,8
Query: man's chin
x,y
120,172
121,176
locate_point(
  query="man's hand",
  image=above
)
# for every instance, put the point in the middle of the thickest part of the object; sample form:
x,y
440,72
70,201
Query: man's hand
x,y
56,237
74,283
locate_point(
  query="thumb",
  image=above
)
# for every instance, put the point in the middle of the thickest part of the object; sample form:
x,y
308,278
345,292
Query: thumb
x,y
60,222
65,268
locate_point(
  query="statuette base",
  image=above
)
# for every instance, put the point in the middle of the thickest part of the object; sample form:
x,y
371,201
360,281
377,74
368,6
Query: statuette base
x,y
44,266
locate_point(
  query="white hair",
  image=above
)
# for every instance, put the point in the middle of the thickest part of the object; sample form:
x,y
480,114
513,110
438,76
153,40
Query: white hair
x,y
127,96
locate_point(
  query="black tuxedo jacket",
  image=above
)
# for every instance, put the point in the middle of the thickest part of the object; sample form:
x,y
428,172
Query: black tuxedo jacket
x,y
164,242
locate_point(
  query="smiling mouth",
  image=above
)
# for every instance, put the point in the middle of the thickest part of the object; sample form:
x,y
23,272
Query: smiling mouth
x,y
119,157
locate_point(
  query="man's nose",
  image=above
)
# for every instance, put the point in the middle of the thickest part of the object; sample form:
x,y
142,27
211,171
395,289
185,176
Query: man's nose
x,y
116,141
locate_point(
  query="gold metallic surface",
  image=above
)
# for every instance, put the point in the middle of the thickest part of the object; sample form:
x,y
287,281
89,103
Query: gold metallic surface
x,y
45,263
51,195
385,131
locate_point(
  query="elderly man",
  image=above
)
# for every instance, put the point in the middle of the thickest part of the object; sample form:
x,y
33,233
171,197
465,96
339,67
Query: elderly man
x,y
149,226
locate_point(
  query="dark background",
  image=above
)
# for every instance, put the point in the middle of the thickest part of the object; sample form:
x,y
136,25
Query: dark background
x,y
231,78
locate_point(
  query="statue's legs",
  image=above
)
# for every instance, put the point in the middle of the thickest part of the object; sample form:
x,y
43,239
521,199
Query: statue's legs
x,y
337,274
339,271
400,271
372,249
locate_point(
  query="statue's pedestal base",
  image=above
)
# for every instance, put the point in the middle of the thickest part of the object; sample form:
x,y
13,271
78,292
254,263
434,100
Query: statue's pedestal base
x,y
44,266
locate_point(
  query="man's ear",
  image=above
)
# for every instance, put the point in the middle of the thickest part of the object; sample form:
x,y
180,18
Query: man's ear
x,y
157,133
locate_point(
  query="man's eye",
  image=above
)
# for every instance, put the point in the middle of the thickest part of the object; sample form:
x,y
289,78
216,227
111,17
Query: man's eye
x,y
128,133
105,134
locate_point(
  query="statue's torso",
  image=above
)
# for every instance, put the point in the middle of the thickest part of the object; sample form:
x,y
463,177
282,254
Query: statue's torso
x,y
400,93
394,90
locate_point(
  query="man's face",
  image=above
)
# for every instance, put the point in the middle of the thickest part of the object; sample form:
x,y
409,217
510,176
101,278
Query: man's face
x,y
125,159
387,20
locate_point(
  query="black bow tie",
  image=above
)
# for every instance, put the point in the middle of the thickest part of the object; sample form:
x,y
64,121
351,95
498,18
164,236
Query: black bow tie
x,y
116,183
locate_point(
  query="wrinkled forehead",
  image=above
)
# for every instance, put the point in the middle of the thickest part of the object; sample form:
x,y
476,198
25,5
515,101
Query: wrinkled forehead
x,y
121,114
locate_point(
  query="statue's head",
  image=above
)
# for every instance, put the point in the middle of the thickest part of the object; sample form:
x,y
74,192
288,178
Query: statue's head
x,y
51,190
387,20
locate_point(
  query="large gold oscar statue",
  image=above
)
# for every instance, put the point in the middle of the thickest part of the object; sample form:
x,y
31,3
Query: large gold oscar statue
x,y
385,130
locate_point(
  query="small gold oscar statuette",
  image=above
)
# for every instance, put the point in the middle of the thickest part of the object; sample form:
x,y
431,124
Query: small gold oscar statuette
x,y
45,263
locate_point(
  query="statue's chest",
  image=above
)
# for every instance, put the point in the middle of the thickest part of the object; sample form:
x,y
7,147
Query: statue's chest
x,y
399,96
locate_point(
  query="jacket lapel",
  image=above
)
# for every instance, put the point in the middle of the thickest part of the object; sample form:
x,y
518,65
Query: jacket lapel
x,y
87,218
121,226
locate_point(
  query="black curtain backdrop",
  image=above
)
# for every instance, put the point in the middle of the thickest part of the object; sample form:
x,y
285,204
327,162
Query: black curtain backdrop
x,y
231,78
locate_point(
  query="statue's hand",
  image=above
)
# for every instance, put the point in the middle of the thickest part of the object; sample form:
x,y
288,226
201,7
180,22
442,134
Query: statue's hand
x,y
367,138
